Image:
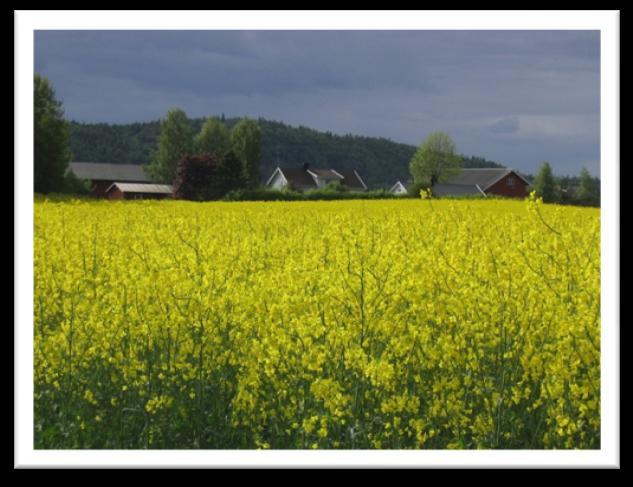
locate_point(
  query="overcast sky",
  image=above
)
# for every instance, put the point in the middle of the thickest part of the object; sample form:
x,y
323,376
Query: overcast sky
x,y
516,97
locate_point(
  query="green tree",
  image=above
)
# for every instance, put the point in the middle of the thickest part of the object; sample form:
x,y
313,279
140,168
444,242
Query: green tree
x,y
435,160
214,138
545,185
587,189
174,141
246,142
51,149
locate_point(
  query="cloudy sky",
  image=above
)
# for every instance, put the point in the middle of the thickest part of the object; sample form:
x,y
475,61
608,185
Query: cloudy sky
x,y
516,97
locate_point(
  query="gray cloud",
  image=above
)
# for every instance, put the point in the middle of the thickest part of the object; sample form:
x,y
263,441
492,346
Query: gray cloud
x,y
493,91
505,126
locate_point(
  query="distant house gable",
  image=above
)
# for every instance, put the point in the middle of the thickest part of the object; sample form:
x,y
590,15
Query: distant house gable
x,y
303,178
400,188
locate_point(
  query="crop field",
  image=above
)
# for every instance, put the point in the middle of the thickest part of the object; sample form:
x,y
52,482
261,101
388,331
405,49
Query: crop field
x,y
345,324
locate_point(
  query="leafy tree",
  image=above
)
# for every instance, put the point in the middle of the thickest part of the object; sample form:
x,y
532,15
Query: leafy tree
x,y
545,185
174,141
51,147
204,177
214,138
435,160
246,142
587,189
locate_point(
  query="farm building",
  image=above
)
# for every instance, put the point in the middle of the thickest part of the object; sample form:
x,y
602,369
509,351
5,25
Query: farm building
x,y
302,178
136,191
102,175
485,181
401,188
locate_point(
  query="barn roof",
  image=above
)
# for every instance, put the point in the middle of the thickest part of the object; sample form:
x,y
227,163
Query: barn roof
x,y
103,171
457,190
142,188
484,177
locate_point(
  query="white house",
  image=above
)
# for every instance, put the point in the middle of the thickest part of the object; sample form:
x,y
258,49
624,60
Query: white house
x,y
302,178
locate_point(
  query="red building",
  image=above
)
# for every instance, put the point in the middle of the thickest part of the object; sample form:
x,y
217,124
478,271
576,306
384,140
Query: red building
x,y
485,181
102,175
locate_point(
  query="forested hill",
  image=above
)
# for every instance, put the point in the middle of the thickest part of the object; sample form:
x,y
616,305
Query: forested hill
x,y
379,161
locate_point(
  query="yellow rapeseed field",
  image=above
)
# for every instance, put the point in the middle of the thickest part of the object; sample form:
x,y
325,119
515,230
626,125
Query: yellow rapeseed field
x,y
343,324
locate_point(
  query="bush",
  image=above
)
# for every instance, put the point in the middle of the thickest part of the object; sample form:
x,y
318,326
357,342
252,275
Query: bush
x,y
205,177
327,193
73,185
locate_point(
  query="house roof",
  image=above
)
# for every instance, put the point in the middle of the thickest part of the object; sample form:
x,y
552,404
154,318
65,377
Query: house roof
x,y
102,171
484,177
457,190
142,188
352,179
298,177
327,174
302,178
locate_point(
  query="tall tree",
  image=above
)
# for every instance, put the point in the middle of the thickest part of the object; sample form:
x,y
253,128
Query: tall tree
x,y
435,160
214,138
204,177
174,141
246,142
545,185
587,189
51,135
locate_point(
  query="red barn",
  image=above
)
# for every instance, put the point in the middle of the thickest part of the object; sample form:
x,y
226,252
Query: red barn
x,y
102,175
486,181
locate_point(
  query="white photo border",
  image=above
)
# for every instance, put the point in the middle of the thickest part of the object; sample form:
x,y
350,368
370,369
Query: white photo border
x,y
26,22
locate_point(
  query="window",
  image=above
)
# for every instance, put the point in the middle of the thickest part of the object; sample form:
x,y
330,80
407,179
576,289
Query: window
x,y
510,181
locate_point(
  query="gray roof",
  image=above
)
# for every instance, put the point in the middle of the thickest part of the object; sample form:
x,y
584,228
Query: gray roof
x,y
327,174
143,188
456,190
352,179
102,171
482,177
300,178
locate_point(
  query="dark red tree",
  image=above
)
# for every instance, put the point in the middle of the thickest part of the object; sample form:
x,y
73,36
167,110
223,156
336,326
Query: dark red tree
x,y
204,177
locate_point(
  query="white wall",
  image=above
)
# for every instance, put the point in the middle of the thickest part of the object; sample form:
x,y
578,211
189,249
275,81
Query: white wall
x,y
278,182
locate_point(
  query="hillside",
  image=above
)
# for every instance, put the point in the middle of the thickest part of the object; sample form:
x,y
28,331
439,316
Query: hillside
x,y
380,161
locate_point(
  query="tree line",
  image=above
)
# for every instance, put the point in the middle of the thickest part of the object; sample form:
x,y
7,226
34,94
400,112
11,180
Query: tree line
x,y
209,164
380,161
209,157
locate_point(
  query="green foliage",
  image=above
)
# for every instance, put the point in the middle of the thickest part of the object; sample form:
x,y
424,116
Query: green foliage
x,y
73,185
51,150
588,189
435,160
414,189
246,142
205,177
328,194
174,141
213,138
545,185
474,162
